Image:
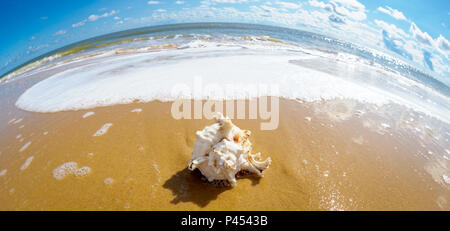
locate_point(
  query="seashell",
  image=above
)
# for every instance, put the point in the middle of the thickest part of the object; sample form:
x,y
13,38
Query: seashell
x,y
223,150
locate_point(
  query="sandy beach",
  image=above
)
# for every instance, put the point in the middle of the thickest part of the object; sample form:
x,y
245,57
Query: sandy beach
x,y
326,155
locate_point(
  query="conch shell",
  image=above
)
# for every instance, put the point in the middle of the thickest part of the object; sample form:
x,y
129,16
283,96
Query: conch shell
x,y
223,150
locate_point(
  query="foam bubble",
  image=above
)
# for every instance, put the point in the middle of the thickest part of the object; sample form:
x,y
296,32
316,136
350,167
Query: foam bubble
x,y
103,129
25,146
108,181
446,179
27,163
3,172
70,168
82,171
87,114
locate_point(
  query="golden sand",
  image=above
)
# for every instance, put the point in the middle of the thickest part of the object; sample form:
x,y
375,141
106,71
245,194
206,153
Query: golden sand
x,y
329,155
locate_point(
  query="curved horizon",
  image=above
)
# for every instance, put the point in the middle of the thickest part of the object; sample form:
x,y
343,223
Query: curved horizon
x,y
384,27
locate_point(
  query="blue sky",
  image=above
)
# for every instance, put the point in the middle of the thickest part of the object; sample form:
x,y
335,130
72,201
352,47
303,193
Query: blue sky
x,y
418,30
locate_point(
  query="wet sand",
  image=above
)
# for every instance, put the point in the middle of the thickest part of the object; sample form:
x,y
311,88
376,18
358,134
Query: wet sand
x,y
327,155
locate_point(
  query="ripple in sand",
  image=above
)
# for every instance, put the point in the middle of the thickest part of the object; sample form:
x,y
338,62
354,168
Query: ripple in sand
x,y
27,163
103,129
87,114
70,168
3,172
25,146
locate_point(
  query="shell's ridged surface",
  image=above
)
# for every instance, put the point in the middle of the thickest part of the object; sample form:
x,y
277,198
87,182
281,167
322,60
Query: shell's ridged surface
x,y
222,150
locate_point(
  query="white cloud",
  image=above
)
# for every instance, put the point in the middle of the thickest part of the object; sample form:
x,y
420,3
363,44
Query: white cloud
x,y
391,29
351,9
443,43
230,1
422,37
94,17
60,32
153,2
352,4
179,2
316,3
289,5
392,12
36,48
160,10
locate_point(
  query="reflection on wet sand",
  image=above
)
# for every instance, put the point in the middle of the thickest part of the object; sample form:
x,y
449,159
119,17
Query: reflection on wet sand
x,y
346,156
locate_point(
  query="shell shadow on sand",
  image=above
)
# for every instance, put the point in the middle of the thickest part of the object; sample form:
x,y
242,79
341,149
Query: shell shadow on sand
x,y
191,186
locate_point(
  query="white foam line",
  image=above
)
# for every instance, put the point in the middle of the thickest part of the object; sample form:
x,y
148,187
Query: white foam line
x,y
137,110
17,121
25,146
27,163
125,79
103,129
87,114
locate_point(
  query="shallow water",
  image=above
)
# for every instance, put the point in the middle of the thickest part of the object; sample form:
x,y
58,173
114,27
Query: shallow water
x,y
346,156
94,131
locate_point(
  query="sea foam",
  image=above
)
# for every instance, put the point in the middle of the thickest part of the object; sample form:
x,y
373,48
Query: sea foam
x,y
27,163
103,129
146,77
70,168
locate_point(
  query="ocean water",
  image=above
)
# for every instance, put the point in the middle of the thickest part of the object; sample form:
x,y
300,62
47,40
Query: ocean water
x,y
145,64
304,38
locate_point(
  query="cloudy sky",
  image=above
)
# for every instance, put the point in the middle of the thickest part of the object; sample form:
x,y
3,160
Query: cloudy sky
x,y
417,30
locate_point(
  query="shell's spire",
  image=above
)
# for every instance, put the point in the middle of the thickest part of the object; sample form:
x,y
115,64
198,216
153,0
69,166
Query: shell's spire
x,y
223,150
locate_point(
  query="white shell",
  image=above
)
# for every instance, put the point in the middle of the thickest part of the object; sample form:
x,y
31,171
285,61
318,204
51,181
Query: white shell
x,y
222,150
